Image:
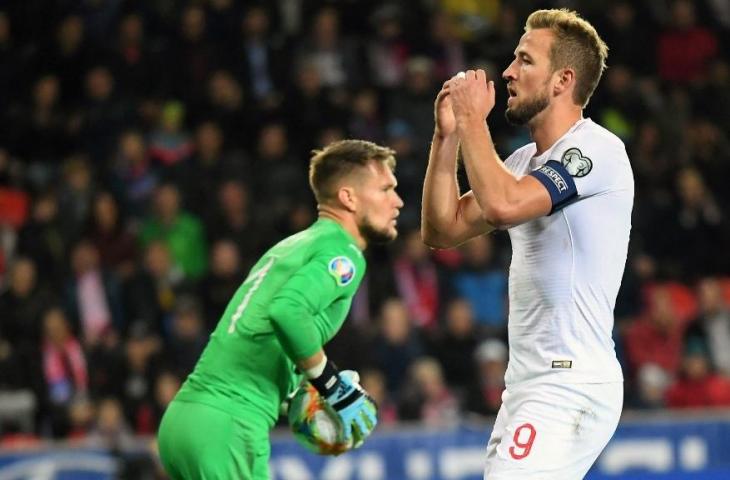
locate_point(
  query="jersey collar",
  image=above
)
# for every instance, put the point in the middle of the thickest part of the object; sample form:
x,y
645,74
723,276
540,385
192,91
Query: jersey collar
x,y
335,225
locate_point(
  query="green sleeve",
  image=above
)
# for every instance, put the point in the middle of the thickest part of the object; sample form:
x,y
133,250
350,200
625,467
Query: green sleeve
x,y
310,307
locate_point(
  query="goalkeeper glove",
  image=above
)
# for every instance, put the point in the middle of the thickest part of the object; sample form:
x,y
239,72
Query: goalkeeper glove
x,y
349,400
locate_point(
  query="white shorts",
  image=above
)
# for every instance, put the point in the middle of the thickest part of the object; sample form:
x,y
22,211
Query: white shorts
x,y
552,431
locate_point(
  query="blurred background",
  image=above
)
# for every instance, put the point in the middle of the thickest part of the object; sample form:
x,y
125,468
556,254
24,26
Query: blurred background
x,y
151,150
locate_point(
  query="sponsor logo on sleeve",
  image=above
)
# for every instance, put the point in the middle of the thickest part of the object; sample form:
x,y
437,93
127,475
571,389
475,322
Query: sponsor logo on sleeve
x,y
343,269
575,163
554,177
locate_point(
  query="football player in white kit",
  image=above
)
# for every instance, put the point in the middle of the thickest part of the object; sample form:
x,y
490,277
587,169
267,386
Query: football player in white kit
x,y
566,201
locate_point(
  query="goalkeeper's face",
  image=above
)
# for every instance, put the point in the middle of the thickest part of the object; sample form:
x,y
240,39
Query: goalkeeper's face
x,y
379,204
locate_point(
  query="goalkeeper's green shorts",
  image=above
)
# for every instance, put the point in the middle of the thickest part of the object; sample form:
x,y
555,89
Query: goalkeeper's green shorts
x,y
200,442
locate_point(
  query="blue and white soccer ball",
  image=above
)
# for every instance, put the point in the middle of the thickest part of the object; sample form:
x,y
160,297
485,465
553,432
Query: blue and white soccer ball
x,y
315,424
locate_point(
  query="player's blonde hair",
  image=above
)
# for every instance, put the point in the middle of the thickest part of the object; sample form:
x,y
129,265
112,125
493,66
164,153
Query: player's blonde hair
x,y
577,46
340,159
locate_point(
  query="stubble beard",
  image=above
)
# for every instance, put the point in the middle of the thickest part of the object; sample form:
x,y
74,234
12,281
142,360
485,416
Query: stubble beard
x,y
375,236
522,114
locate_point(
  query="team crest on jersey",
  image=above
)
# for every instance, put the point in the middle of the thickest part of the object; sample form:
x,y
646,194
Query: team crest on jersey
x,y
575,163
342,269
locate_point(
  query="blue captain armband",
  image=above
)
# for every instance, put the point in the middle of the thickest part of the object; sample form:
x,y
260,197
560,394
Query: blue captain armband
x,y
559,183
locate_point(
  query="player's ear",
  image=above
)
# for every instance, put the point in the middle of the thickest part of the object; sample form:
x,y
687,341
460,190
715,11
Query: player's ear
x,y
346,196
564,80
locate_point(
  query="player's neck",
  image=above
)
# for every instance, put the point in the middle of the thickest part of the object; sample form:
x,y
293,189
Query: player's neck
x,y
552,123
346,221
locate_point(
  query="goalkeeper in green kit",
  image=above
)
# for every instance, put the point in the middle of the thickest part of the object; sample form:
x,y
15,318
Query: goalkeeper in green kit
x,y
293,301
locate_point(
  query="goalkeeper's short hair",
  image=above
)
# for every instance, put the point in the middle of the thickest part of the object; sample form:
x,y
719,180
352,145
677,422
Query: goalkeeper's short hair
x,y
340,159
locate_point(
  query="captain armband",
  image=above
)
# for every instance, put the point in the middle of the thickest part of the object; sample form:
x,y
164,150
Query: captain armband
x,y
558,182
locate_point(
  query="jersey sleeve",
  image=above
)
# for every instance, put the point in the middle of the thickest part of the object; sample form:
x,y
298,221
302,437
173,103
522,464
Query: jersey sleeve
x,y
581,166
302,311
511,163
596,164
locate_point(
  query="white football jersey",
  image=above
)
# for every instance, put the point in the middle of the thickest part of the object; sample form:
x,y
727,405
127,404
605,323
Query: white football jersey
x,y
567,267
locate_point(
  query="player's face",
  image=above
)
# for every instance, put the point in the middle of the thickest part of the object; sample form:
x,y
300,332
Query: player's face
x,y
528,77
379,204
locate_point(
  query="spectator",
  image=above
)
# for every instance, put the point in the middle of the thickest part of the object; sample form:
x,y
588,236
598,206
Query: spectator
x,y
454,347
277,174
222,281
110,429
225,105
413,102
166,386
106,359
235,220
366,121
387,49
21,309
108,233
81,417
76,195
444,48
652,382
623,33
657,336
499,42
105,114
396,345
259,61
685,49
200,177
308,105
484,395
137,381
483,284
151,293
699,227
708,144
169,143
698,385
132,173
193,57
427,398
181,231
335,57
411,169
417,280
136,64
93,295
713,98
712,326
39,131
187,338
42,238
65,371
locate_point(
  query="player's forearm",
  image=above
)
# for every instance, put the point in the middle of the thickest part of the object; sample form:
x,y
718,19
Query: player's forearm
x,y
489,179
294,329
440,201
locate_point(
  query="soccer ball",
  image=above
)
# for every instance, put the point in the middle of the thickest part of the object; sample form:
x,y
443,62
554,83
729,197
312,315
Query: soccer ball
x,y
315,424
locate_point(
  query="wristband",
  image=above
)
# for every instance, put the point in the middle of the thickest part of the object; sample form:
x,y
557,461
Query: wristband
x,y
316,371
327,381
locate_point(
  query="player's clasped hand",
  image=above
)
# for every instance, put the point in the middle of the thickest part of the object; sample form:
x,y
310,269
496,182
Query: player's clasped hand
x,y
443,114
354,406
472,96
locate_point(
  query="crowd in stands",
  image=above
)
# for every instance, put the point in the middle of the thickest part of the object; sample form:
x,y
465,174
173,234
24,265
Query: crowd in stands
x,y
150,151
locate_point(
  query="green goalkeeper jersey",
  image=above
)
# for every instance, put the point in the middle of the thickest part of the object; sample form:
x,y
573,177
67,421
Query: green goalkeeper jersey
x,y
293,301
